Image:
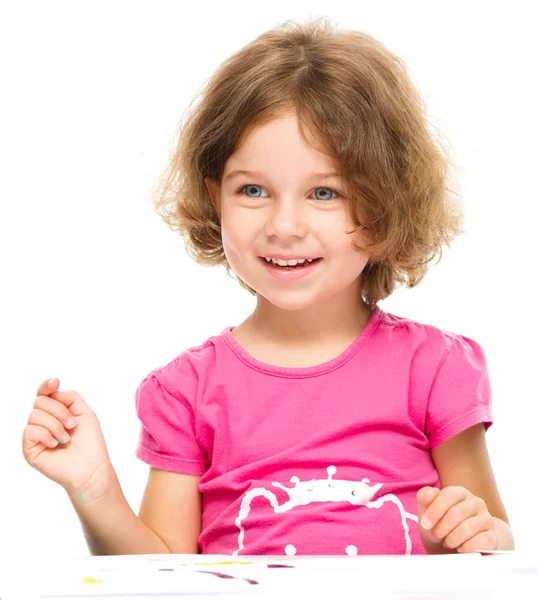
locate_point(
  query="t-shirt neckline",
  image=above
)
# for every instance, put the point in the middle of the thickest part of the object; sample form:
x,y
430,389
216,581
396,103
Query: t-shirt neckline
x,y
325,367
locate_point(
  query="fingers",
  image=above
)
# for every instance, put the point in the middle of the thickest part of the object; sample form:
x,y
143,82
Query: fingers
x,y
34,435
425,496
52,415
56,409
455,515
456,519
468,529
485,540
49,422
71,399
442,503
52,418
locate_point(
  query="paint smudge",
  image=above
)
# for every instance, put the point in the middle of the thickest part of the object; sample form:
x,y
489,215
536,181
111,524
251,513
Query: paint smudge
x,y
226,576
87,579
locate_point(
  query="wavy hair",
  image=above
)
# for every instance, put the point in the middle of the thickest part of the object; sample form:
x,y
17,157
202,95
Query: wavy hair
x,y
355,102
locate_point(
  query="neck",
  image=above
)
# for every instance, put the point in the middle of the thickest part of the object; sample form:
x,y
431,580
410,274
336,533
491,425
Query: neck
x,y
345,315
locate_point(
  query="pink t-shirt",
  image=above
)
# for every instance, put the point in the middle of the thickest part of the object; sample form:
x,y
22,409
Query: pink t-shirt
x,y
314,460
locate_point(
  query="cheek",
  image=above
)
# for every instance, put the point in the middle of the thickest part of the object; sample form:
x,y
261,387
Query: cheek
x,y
236,239
350,262
231,247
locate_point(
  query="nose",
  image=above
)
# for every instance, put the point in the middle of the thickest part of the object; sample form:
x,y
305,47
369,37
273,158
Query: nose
x,y
286,218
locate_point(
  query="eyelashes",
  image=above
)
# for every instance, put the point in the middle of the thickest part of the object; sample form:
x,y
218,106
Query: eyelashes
x,y
254,185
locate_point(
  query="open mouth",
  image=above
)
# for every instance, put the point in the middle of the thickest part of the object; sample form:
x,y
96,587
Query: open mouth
x,y
297,266
290,272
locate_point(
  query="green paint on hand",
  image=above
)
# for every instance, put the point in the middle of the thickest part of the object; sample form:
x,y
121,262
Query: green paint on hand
x,y
77,493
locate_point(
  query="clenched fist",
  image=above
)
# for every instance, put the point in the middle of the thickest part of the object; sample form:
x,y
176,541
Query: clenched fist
x,y
63,440
455,519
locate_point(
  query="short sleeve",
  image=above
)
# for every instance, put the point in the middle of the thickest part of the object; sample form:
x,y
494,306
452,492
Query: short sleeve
x,y
168,432
460,396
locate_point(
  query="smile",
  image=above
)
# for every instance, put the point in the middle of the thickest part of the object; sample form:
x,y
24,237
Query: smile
x,y
292,269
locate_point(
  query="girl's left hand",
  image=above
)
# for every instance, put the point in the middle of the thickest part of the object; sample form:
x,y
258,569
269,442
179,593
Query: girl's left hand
x,y
455,519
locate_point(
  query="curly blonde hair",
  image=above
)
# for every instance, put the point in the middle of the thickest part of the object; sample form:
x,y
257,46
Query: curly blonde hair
x,y
355,102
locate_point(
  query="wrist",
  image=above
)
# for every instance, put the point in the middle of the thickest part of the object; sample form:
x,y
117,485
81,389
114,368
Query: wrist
x,y
504,535
98,487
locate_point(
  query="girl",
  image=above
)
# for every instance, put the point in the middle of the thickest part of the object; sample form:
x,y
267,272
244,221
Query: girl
x,y
321,424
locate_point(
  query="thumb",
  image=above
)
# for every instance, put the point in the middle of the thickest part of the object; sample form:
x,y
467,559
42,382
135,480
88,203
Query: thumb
x,y
425,496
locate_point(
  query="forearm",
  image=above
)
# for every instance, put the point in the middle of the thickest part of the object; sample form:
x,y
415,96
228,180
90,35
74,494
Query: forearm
x,y
505,535
109,524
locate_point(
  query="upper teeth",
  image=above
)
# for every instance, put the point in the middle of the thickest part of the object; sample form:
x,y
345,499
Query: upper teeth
x,y
284,263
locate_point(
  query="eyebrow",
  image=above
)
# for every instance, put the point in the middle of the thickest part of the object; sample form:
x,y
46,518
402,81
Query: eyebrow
x,y
238,172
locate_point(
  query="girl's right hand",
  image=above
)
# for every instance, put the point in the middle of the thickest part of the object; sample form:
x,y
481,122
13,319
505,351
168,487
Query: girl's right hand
x,y
81,462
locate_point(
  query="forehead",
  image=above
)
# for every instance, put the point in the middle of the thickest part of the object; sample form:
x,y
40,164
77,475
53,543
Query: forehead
x,y
275,131
277,145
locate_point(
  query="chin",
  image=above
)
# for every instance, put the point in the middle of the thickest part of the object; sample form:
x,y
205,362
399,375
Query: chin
x,y
287,301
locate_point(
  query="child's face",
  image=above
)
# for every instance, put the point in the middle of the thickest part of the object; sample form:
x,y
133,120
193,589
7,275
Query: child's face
x,y
282,211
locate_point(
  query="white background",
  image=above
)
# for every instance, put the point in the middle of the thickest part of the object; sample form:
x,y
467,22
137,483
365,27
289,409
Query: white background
x,y
97,291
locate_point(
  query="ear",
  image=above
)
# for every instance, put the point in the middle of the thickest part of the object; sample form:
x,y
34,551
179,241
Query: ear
x,y
213,187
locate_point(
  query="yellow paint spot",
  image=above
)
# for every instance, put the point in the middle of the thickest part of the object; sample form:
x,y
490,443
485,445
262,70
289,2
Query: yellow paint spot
x,y
87,579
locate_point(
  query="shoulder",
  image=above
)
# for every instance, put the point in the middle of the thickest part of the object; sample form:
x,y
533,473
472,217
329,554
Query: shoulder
x,y
184,373
434,342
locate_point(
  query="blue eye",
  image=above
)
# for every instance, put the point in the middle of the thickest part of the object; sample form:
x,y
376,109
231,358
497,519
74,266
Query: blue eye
x,y
328,190
252,185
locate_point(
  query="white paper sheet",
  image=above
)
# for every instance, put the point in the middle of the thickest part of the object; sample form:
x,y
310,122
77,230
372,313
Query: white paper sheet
x,y
458,577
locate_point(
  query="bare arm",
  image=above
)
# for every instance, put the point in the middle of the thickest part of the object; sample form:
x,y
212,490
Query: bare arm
x,y
464,460
172,508
169,521
108,522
